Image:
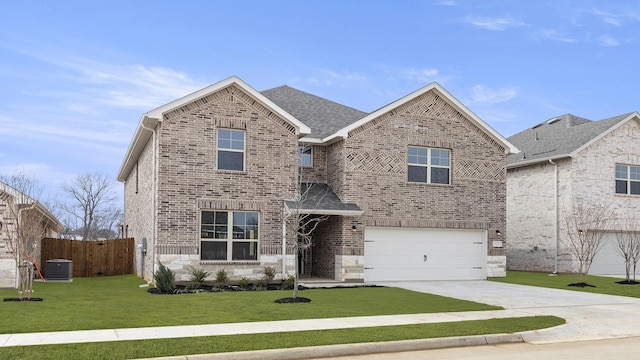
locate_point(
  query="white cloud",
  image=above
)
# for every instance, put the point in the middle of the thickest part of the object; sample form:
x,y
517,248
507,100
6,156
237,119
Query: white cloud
x,y
425,75
481,94
494,24
617,19
446,3
330,78
557,36
608,41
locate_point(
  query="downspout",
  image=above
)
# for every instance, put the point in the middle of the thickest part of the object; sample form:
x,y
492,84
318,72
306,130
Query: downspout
x,y
284,242
555,223
154,179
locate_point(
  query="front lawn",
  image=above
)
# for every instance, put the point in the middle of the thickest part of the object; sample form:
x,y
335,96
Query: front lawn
x,y
119,302
208,345
601,284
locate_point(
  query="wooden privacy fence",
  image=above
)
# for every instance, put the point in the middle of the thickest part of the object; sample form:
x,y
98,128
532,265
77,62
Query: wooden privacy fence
x,y
91,257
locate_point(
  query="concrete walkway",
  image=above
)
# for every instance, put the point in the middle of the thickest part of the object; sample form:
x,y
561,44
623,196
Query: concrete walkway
x,y
589,317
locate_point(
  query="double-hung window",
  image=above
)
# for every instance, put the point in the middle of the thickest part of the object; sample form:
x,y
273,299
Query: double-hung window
x,y
428,165
230,149
229,235
627,179
305,155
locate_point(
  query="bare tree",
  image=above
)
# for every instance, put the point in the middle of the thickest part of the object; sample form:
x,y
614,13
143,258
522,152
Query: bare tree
x,y
586,224
628,241
302,217
90,201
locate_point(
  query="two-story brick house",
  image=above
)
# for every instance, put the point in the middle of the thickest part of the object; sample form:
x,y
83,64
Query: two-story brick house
x,y
564,160
414,190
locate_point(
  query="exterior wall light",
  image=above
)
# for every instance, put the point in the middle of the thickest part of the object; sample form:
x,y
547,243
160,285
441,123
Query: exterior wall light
x,y
354,228
498,233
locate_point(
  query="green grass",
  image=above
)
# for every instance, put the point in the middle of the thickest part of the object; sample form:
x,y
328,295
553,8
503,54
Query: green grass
x,y
119,302
602,285
201,345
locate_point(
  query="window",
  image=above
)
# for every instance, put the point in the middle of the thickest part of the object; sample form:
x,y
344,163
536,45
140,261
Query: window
x,y
230,150
427,165
229,235
305,155
627,179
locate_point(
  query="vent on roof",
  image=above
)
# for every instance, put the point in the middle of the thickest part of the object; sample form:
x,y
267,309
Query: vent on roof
x,y
537,126
553,121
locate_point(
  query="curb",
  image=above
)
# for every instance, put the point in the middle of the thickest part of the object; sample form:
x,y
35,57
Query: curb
x,y
356,349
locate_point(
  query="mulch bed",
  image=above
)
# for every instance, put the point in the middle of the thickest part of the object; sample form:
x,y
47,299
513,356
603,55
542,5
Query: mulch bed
x,y
17,299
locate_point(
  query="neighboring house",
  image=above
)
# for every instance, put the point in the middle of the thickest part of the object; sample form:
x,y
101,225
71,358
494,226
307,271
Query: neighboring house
x,y
565,158
35,222
415,190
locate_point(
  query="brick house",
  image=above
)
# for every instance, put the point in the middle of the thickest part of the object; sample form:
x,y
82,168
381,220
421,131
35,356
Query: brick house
x,y
415,190
35,221
561,159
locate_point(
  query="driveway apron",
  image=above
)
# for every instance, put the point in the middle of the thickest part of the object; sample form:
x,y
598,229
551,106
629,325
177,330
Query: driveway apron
x,y
589,316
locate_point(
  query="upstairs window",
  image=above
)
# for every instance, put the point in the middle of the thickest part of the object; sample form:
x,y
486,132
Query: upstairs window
x,y
230,150
305,156
428,165
627,179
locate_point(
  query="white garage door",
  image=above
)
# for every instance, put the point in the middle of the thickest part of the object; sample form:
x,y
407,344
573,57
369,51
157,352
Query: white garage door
x,y
424,254
608,261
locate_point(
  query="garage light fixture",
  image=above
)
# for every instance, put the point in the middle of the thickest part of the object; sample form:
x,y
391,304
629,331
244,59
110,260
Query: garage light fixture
x,y
498,233
354,228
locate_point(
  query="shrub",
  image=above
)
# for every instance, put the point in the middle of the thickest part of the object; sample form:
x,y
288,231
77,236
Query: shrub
x,y
269,273
288,284
198,276
221,277
164,278
244,282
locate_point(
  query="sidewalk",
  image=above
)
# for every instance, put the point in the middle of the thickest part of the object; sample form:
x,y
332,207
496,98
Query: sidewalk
x,y
65,337
588,316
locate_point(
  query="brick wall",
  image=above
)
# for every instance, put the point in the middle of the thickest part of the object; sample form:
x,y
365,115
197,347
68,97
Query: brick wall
x,y
374,162
139,211
589,176
188,181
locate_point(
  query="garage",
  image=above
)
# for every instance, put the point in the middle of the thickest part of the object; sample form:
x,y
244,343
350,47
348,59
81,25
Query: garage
x,y
608,261
398,254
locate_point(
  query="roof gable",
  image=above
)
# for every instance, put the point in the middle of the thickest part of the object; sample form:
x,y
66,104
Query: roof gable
x,y
447,97
9,193
149,120
559,137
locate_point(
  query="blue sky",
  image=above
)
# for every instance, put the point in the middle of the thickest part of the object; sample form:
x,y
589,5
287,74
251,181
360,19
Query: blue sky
x,y
77,75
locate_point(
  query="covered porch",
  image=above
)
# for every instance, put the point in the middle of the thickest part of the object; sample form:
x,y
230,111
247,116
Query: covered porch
x,y
330,234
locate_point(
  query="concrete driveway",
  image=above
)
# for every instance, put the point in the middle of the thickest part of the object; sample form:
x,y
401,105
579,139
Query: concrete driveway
x,y
589,316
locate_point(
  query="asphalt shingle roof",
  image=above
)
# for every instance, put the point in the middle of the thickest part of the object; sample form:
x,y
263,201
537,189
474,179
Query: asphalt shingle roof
x,y
320,198
323,116
557,137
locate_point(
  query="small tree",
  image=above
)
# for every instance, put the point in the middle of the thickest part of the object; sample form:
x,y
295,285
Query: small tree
x,y
628,241
24,223
303,219
586,224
